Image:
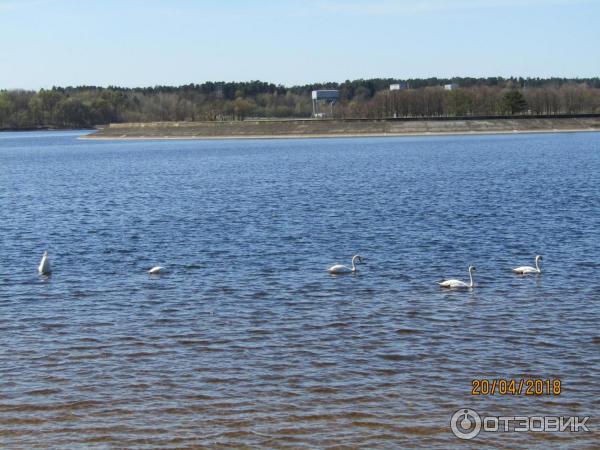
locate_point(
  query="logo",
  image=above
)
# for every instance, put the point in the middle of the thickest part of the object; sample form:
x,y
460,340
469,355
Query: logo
x,y
465,423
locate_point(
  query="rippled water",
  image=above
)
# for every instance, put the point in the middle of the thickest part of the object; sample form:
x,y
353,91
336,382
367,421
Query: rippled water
x,y
247,341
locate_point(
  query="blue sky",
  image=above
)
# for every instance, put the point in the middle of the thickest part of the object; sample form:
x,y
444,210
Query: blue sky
x,y
145,43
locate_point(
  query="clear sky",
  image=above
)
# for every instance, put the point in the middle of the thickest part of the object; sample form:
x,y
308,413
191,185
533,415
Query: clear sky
x,y
44,43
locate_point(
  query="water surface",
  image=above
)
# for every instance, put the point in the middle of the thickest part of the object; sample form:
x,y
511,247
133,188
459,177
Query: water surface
x,y
247,341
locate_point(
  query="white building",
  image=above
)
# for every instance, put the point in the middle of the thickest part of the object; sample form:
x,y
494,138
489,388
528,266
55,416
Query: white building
x,y
398,87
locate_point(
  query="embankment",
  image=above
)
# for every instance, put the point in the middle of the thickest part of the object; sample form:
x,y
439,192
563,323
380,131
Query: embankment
x,y
304,128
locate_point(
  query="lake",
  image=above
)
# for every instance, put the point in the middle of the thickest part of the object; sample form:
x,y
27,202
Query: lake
x,y
246,340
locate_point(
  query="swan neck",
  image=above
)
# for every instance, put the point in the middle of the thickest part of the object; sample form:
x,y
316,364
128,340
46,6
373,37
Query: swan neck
x,y
537,265
471,277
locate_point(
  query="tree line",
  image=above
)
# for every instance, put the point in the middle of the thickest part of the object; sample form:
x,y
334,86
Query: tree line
x,y
87,106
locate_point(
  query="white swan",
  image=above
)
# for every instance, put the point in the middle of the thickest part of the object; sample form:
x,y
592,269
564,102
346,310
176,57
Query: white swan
x,y
44,267
340,268
156,270
458,283
523,270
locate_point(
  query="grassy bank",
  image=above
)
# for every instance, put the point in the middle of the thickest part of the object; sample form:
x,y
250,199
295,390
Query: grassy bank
x,y
299,128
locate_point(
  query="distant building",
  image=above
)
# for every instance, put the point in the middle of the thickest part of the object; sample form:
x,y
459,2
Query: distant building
x,y
398,87
324,96
451,86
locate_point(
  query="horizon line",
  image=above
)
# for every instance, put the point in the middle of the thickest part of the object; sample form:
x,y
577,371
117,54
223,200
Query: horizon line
x,y
290,86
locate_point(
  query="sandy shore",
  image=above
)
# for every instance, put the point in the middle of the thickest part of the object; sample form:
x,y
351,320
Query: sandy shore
x,y
326,136
302,129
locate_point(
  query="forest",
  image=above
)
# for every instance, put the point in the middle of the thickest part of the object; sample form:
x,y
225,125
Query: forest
x,y
89,106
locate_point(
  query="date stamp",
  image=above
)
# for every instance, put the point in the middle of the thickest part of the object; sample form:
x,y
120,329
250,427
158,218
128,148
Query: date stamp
x,y
512,386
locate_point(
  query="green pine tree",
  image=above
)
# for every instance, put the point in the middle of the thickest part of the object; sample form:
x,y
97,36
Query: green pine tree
x,y
514,102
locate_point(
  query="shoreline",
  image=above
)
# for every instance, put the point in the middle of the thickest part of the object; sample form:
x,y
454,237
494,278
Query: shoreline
x,y
49,129
341,128
331,136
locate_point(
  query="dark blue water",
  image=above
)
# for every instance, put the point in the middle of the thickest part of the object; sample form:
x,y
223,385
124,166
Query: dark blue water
x,y
247,340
